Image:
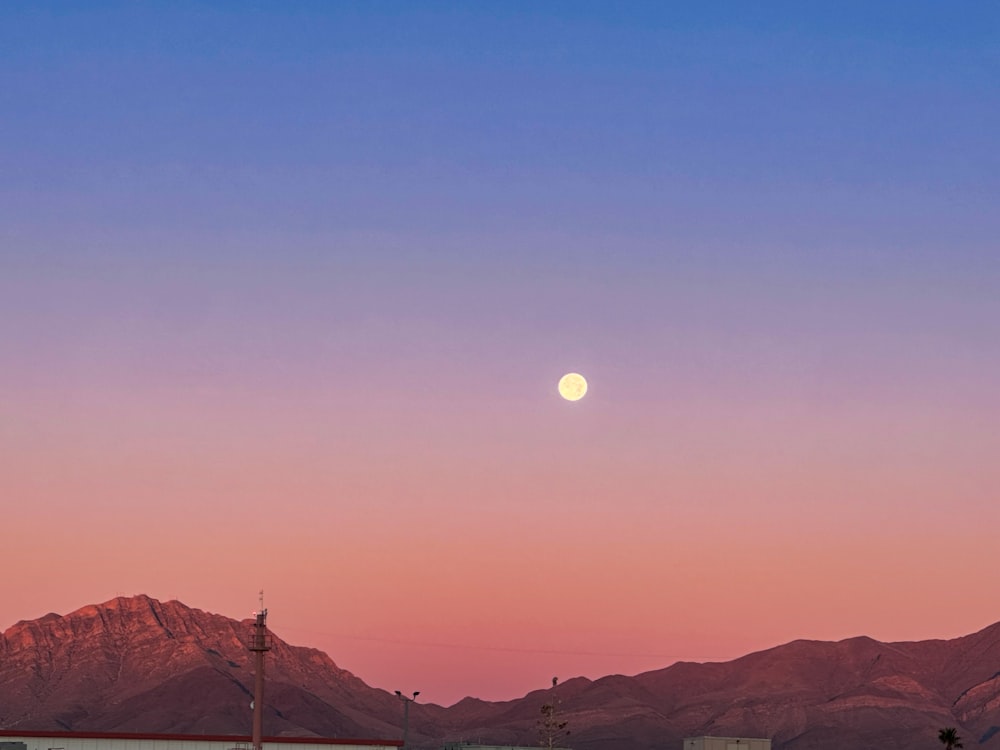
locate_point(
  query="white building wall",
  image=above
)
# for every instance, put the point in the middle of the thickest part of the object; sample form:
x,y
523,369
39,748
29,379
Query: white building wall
x,y
193,743
726,743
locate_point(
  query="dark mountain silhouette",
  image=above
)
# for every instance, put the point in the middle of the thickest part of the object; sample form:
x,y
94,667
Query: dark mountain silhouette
x,y
135,664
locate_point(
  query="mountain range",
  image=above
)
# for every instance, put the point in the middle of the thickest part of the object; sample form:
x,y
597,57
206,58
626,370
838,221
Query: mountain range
x,y
139,665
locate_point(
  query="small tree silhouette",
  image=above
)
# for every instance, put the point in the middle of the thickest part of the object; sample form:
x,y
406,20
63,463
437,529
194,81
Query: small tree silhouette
x,y
949,738
551,729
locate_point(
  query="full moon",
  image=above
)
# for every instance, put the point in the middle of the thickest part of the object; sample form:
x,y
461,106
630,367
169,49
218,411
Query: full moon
x,y
572,386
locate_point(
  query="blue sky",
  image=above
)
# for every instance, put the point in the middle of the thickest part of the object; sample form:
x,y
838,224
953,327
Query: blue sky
x,y
436,117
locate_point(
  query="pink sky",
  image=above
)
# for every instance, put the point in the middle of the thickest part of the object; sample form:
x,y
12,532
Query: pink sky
x,y
461,543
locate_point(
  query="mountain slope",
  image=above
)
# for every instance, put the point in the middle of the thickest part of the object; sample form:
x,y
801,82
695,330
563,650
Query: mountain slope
x,y
136,664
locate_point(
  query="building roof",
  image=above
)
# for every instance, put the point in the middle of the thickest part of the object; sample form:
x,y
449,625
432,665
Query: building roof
x,y
194,737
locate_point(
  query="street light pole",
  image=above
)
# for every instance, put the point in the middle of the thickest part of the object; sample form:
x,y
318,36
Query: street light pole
x,y
407,700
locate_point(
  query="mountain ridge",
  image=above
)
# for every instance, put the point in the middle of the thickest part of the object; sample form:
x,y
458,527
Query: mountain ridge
x,y
138,664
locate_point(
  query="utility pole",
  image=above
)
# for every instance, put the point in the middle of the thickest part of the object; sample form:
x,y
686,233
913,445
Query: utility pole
x,y
407,700
259,644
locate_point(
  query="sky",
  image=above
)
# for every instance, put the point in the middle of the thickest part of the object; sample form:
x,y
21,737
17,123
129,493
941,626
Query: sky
x,y
286,289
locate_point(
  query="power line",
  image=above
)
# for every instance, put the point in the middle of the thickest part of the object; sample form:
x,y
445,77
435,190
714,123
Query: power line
x,y
514,649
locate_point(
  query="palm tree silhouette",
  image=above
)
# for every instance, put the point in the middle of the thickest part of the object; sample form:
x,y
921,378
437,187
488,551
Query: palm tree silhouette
x,y
949,738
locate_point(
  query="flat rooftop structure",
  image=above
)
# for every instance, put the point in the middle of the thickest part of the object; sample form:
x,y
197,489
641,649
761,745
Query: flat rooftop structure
x,y
726,743
30,740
